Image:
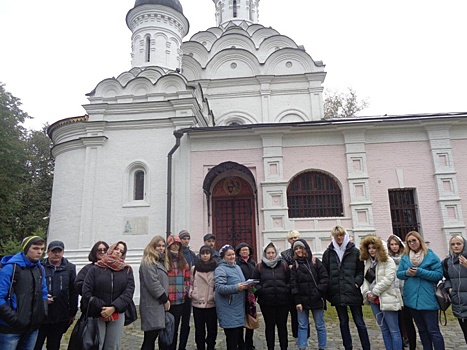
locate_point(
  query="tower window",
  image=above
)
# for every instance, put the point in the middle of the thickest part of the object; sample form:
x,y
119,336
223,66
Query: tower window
x,y
139,185
235,8
314,194
148,49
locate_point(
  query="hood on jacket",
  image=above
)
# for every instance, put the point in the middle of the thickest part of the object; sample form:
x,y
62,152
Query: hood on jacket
x,y
20,259
464,250
307,248
381,253
271,244
401,244
243,245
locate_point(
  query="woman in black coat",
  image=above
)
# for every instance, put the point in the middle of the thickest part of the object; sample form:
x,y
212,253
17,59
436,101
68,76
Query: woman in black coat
x,y
97,252
111,284
273,294
244,259
309,282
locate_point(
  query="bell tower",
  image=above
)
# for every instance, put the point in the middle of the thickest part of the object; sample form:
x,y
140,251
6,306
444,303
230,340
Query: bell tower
x,y
158,28
236,11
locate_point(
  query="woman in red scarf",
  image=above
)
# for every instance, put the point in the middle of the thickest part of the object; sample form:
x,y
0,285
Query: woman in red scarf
x,y
111,284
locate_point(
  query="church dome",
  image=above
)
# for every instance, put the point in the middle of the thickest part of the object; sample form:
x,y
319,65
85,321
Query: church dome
x,y
175,4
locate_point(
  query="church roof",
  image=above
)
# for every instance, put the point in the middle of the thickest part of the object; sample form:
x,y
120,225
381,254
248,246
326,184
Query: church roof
x,y
175,4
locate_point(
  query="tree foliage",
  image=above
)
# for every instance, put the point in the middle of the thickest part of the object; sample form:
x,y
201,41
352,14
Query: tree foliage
x,y
26,174
343,105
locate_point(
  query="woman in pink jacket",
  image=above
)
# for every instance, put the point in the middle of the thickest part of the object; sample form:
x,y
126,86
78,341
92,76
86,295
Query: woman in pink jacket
x,y
202,298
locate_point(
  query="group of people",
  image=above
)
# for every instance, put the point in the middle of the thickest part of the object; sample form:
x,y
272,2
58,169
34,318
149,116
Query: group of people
x,y
39,300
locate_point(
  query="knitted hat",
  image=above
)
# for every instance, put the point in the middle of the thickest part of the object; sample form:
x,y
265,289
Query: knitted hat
x,y
224,249
29,241
184,234
298,244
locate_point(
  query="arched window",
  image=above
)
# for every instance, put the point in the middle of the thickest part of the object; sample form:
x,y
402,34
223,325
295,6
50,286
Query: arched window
x,y
148,49
314,194
138,193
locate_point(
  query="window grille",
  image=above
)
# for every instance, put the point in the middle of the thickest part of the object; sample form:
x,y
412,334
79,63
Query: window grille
x,y
403,211
314,194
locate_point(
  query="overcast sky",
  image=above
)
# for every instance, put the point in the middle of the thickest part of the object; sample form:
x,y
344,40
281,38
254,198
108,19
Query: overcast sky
x,y
403,56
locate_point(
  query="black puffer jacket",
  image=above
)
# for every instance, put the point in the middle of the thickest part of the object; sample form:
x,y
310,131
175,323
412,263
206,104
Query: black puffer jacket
x,y
346,277
274,286
247,267
61,284
309,281
109,288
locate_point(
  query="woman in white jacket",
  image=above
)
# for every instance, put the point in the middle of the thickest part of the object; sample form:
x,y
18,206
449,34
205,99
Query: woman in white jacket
x,y
380,291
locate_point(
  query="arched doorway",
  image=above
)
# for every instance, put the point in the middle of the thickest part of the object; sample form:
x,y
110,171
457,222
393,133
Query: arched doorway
x,y
231,189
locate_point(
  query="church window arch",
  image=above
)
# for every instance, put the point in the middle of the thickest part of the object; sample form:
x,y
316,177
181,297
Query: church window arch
x,y
136,189
314,194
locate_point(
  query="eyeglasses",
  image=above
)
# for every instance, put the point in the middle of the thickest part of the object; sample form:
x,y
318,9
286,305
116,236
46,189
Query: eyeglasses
x,y
411,241
102,250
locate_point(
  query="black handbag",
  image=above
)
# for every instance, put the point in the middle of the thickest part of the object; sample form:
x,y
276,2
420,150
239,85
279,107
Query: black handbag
x,y
85,334
131,315
166,335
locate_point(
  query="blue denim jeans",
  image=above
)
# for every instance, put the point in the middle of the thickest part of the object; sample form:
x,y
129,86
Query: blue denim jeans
x,y
388,321
428,328
357,315
318,317
25,341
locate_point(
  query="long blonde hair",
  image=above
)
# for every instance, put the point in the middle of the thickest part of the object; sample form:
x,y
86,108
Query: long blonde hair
x,y
150,254
418,236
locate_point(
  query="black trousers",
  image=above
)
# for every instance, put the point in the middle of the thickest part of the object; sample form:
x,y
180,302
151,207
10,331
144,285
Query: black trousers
x,y
246,342
463,324
185,325
205,320
231,337
407,327
150,340
276,316
53,332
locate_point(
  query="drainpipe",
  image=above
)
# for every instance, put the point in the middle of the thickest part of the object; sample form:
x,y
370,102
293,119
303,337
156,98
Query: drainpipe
x,y
178,136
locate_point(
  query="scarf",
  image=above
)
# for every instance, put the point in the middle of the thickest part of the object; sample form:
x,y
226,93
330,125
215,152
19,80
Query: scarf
x,y
340,250
416,258
208,266
272,263
110,262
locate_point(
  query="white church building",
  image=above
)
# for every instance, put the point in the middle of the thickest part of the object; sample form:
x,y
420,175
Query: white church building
x,y
224,133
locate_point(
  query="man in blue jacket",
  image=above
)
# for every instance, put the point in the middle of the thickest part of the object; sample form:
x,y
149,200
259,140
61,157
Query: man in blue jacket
x,y
60,275
23,296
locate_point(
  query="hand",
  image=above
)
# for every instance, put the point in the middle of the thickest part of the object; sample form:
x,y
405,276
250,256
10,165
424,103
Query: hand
x,y
412,271
299,307
50,299
107,312
463,261
371,297
242,286
167,305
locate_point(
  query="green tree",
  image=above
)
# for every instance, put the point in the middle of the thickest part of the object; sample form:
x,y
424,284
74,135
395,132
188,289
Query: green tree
x,y
26,175
342,105
13,157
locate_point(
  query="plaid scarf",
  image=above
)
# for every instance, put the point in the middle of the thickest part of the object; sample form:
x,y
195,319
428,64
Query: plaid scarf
x,y
179,283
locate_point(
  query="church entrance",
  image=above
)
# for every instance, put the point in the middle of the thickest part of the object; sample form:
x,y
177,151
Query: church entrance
x,y
233,212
